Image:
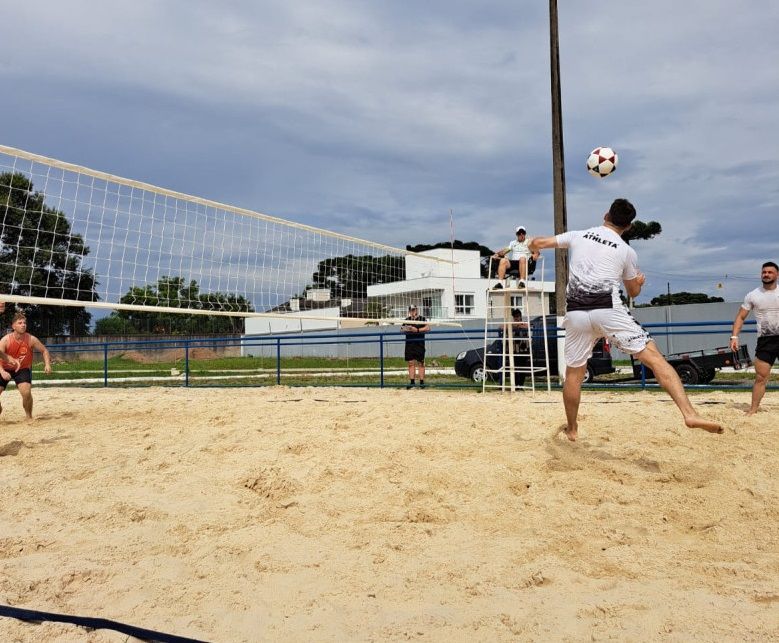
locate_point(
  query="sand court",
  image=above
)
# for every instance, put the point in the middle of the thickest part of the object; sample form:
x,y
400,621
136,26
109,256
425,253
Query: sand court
x,y
362,514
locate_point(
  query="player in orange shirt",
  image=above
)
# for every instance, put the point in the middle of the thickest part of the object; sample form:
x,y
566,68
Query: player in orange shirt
x,y
16,350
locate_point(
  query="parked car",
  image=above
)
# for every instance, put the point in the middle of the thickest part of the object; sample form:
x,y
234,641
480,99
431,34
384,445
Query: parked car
x,y
470,363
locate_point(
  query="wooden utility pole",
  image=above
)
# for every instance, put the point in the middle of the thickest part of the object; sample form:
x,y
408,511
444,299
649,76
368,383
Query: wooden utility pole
x,y
558,163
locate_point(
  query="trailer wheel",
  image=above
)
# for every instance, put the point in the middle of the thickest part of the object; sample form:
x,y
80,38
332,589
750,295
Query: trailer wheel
x,y
688,374
708,375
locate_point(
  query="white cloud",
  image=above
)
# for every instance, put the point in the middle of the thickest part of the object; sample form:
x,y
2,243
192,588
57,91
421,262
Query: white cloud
x,y
379,119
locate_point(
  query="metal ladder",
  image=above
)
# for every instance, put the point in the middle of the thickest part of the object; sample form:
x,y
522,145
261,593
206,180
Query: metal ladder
x,y
516,363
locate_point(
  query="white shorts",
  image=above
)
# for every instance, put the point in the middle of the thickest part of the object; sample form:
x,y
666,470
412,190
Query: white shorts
x,y
583,328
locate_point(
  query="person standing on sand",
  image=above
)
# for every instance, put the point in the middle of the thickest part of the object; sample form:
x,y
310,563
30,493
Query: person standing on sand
x,y
415,346
599,260
765,302
16,350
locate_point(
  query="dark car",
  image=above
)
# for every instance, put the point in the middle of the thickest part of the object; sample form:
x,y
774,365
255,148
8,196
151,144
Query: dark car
x,y
470,363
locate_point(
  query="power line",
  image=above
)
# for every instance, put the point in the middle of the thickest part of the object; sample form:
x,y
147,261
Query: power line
x,y
710,277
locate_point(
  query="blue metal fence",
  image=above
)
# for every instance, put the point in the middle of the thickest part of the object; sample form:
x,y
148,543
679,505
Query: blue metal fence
x,y
382,341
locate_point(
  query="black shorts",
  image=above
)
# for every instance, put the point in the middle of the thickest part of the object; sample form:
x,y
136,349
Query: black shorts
x,y
767,349
20,376
415,351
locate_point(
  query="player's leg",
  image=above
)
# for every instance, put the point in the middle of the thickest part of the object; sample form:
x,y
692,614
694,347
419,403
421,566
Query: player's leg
x,y
579,340
421,369
762,373
623,331
766,352
668,378
25,390
572,396
3,384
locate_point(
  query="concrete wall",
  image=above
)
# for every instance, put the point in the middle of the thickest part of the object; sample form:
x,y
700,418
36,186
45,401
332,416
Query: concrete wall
x,y
364,342
307,320
152,347
443,341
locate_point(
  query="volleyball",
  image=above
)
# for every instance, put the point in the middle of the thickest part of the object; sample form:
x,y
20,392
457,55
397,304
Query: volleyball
x,y
601,162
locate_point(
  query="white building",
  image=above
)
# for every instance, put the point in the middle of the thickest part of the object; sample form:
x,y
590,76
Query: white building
x,y
456,291
441,289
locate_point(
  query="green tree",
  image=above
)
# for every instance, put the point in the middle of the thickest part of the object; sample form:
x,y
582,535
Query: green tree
x,y
174,292
349,276
484,252
642,231
40,256
677,298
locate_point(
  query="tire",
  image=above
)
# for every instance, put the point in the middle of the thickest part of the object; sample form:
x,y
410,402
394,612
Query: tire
x,y
688,374
477,373
589,375
708,375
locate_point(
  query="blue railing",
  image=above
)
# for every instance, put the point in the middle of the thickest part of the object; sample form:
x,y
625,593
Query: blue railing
x,y
382,340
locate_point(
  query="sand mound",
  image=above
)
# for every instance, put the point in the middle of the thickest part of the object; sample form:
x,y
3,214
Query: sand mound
x,y
139,357
169,355
202,353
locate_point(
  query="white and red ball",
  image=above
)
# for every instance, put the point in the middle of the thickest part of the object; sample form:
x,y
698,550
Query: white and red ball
x,y
601,162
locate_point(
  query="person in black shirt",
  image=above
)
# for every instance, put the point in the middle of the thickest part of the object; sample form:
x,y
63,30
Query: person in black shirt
x,y
518,329
415,346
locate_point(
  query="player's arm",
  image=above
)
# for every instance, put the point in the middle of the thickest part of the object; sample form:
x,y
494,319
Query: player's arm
x,y
738,322
632,277
6,358
38,344
424,328
633,286
536,244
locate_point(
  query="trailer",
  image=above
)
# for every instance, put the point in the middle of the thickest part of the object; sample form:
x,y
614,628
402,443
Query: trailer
x,y
698,367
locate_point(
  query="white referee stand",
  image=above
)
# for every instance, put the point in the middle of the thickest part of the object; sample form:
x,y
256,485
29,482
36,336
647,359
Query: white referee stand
x,y
516,366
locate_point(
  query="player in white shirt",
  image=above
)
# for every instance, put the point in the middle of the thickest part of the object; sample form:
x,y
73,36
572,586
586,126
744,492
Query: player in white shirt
x,y
765,302
599,261
516,256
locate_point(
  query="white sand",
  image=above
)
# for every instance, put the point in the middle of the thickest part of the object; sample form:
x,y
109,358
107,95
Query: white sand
x,y
351,514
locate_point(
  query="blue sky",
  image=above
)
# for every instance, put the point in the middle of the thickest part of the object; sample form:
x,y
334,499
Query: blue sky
x,y
377,119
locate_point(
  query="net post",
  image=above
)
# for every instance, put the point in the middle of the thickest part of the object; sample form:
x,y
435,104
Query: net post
x,y
105,364
278,360
381,360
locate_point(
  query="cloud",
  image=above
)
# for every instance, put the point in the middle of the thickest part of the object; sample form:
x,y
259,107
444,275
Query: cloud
x,y
378,119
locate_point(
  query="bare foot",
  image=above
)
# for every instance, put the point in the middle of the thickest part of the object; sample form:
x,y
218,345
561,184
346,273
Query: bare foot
x,y
570,433
751,411
697,422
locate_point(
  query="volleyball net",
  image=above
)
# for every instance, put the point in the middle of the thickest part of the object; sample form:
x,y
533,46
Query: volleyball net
x,y
72,236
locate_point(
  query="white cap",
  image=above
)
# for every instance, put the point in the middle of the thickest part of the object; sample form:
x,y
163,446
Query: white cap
x,y
520,228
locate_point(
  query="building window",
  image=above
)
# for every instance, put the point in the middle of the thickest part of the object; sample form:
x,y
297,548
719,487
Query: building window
x,y
463,304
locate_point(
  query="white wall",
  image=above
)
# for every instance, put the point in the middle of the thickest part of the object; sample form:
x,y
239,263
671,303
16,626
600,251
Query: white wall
x,y
300,322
